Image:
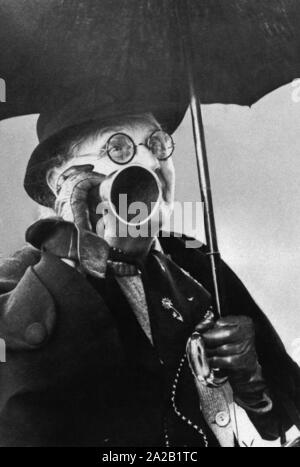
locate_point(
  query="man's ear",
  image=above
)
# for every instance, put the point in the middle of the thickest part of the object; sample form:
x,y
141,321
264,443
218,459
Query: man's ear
x,y
51,179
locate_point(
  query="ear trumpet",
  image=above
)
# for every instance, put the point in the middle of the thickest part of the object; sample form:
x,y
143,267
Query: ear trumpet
x,y
134,189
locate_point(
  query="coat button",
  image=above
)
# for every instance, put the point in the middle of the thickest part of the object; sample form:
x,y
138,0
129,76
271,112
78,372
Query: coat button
x,y
222,419
36,334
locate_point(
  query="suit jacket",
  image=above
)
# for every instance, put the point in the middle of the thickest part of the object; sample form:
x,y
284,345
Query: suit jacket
x,y
81,372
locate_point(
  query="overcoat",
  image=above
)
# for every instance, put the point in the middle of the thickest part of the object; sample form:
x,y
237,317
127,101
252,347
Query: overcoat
x,y
81,372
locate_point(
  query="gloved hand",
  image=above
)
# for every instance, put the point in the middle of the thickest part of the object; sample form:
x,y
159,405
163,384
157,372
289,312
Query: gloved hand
x,y
78,197
230,346
73,239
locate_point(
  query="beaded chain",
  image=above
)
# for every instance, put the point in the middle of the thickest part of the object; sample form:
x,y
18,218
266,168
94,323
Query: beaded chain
x,y
167,440
177,411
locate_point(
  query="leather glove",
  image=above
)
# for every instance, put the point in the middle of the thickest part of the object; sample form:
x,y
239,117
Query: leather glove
x,y
74,241
230,346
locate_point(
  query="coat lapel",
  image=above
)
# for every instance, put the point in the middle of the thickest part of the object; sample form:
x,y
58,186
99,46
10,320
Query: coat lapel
x,y
138,350
177,303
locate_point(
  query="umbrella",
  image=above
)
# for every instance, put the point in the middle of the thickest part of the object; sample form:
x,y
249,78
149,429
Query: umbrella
x,y
155,52
243,49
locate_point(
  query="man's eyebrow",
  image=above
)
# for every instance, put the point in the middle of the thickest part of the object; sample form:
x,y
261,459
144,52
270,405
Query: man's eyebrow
x,y
154,128
87,154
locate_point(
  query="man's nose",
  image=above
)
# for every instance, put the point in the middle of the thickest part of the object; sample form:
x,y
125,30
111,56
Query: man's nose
x,y
146,158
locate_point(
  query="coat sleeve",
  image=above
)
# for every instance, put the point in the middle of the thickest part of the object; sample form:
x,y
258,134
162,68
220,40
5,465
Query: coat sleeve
x,y
24,323
53,322
43,304
280,371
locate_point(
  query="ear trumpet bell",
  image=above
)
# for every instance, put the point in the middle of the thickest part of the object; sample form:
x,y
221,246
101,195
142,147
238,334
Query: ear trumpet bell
x,y
134,189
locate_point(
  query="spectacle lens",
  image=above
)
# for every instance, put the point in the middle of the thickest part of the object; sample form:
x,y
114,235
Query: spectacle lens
x,y
121,148
161,144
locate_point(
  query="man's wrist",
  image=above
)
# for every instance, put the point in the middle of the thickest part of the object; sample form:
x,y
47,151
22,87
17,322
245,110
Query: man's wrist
x,y
252,395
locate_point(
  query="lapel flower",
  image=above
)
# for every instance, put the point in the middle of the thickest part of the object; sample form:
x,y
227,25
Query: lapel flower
x,y
168,305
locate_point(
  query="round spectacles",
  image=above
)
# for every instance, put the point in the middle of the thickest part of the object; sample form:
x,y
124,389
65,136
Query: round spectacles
x,y
121,148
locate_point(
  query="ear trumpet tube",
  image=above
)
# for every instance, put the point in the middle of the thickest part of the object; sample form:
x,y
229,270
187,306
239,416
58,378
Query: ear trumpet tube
x,y
133,193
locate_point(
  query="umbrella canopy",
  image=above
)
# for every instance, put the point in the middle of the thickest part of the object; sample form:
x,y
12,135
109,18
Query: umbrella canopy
x,y
132,50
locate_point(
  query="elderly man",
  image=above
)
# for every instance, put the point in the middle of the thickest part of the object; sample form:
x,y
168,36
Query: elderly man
x,y
97,323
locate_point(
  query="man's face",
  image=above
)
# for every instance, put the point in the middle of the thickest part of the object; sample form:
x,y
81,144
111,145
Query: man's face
x,y
89,154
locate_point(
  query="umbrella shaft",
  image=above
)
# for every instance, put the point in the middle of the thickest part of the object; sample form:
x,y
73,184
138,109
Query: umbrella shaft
x,y
201,154
204,179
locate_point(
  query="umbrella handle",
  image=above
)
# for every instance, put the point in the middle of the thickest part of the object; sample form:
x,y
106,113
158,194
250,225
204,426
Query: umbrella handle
x,y
202,159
